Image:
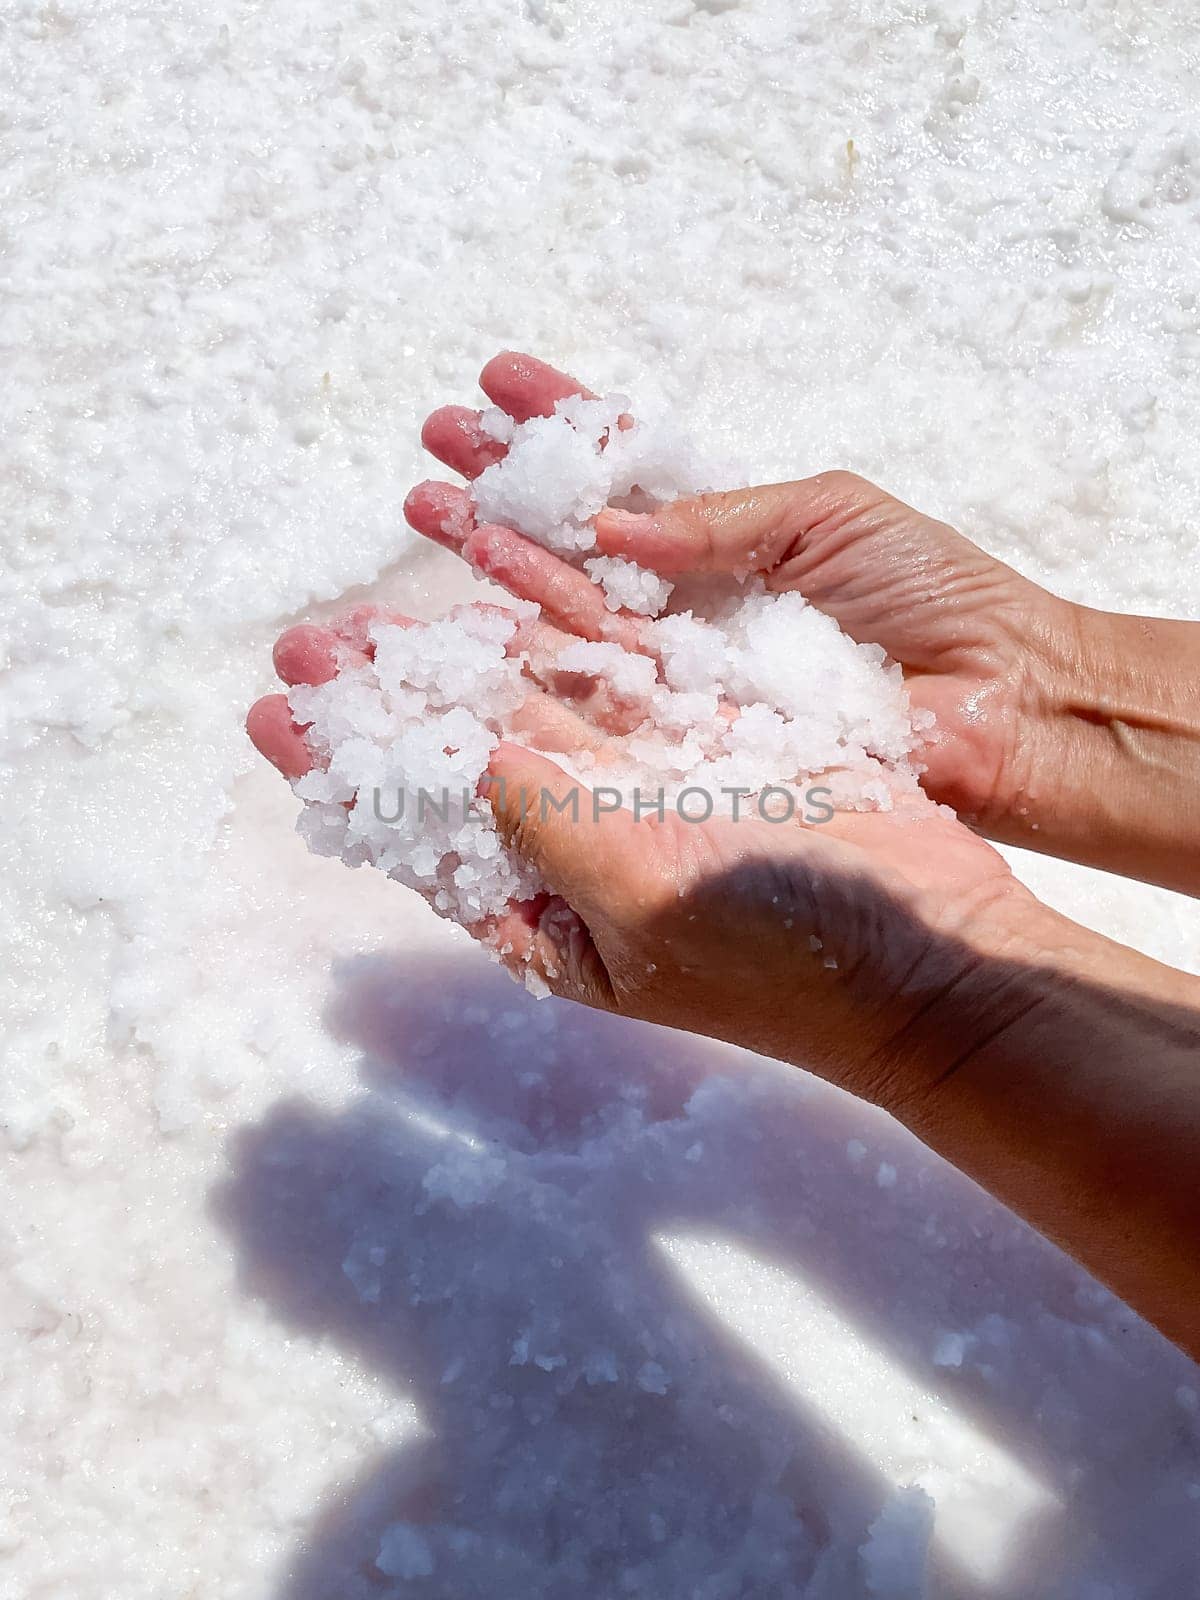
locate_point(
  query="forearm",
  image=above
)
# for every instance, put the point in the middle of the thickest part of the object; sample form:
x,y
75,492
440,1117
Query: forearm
x,y
1107,765
1075,1099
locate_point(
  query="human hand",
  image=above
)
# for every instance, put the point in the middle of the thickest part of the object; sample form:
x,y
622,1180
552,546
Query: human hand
x,y
845,947
981,647
883,862
309,655
817,945
893,952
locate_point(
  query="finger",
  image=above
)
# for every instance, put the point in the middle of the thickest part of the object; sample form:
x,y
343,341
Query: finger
x,y
274,735
744,530
444,513
567,597
353,629
312,654
582,850
441,512
511,933
454,435
549,724
526,387
591,695
543,708
547,937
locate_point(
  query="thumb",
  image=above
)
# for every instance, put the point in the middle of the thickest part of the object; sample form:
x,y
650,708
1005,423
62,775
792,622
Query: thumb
x,y
578,839
742,530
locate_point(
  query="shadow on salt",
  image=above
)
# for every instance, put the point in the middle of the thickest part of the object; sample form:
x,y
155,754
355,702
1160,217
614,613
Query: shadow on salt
x,y
681,1322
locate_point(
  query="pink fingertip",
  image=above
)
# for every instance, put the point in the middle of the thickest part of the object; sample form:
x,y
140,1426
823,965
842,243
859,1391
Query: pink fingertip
x,y
491,549
441,512
443,421
275,736
502,760
454,435
306,654
506,751
526,387
641,536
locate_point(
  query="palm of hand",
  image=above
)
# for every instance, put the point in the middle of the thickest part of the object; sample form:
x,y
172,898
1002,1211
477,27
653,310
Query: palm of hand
x,y
888,575
824,939
969,632
976,641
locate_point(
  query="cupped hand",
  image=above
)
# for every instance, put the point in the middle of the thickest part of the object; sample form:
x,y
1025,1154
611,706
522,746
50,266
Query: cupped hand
x,y
983,648
892,952
858,948
836,936
562,711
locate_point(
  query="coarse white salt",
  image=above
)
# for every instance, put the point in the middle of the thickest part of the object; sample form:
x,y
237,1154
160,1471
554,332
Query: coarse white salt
x,y
181,279
400,760
404,1552
628,587
752,691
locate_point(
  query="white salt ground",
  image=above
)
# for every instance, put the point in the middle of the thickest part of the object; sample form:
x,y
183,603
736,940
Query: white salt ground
x,y
331,1257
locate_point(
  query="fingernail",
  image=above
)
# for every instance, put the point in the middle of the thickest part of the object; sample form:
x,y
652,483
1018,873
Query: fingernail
x,y
305,654
489,555
451,532
506,750
491,781
617,530
624,519
438,514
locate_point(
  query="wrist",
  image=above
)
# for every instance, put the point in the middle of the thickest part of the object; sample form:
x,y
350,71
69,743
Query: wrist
x,y
1027,983
1104,764
1071,1096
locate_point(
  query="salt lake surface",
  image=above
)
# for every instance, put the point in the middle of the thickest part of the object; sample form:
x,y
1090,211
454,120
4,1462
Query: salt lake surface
x,y
335,1266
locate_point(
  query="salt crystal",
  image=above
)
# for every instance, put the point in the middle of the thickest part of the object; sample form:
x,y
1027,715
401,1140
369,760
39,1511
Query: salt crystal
x,y
652,1378
895,1555
629,587
949,1350
629,675
751,694
404,1552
